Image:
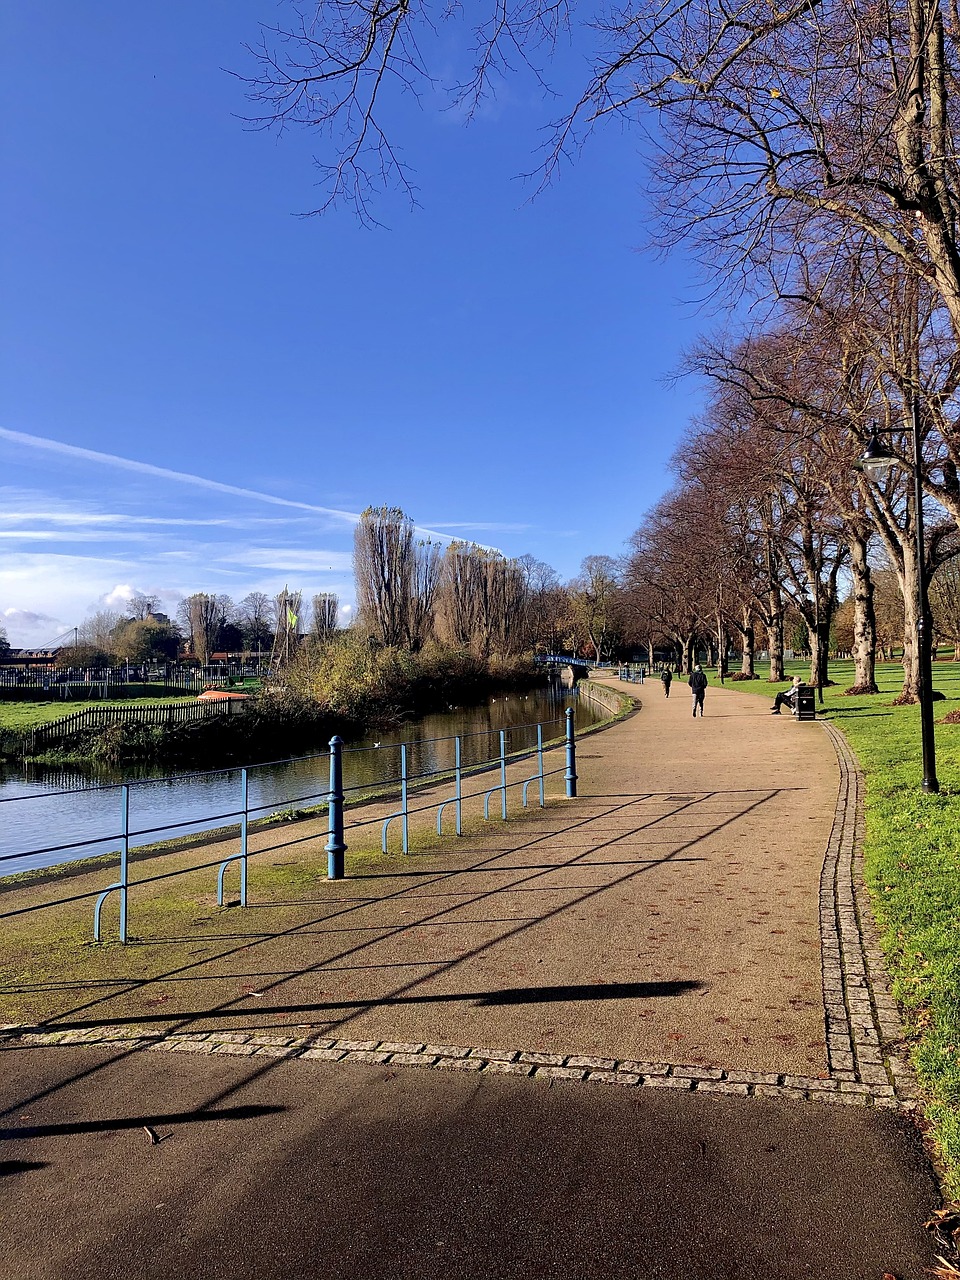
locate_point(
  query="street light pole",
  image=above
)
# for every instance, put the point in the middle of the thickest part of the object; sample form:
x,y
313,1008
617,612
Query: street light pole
x,y
924,665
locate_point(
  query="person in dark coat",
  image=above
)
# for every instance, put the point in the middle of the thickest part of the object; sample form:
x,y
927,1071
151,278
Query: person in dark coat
x,y
788,697
698,687
666,675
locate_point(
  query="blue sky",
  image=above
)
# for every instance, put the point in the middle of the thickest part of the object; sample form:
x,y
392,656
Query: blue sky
x,y
492,365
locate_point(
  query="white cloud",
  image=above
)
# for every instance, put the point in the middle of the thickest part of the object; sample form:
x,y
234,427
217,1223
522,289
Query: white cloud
x,y
27,627
121,594
24,617
66,535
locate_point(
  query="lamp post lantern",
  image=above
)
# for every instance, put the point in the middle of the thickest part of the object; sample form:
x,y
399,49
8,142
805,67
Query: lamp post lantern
x,y
875,463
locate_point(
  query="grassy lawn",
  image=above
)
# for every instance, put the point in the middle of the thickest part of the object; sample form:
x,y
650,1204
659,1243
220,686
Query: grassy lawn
x,y
912,869
26,715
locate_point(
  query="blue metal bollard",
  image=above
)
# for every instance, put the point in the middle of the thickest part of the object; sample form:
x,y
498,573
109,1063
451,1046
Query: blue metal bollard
x,y
244,799
570,777
335,844
503,774
458,786
405,825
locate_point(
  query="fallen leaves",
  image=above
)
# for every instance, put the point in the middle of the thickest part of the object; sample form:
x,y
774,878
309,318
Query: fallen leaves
x,y
944,1224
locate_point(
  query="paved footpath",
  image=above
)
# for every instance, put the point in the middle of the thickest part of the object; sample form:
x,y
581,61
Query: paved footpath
x,y
641,1033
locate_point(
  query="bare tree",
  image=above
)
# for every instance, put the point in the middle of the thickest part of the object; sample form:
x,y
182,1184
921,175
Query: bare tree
x,y
425,574
481,601
383,568
254,614
326,609
594,602
201,614
97,631
287,609
141,606
945,604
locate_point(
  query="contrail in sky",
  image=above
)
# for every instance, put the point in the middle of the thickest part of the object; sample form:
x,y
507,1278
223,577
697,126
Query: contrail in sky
x,y
199,482
182,477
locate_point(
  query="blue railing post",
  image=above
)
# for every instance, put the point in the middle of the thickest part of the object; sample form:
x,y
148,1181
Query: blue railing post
x,y
403,798
243,836
458,785
570,777
540,763
503,774
335,844
124,860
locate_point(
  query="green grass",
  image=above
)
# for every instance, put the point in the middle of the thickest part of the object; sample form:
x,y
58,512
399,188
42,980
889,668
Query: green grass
x,y
912,870
27,715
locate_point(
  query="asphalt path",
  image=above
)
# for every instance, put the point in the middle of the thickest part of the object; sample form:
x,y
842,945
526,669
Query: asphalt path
x,y
296,1168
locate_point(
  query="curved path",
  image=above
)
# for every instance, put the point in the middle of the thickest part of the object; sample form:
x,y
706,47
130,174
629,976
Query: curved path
x,y
677,930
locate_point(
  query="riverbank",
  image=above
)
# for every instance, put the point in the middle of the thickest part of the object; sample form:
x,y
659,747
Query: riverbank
x,y
360,690
58,810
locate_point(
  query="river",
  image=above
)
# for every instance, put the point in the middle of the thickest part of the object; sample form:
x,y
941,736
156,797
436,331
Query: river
x,y
55,815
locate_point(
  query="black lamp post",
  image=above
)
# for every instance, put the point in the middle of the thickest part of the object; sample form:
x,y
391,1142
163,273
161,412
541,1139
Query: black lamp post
x,y
875,463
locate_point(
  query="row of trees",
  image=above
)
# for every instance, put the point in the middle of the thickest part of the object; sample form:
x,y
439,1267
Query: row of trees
x,y
206,623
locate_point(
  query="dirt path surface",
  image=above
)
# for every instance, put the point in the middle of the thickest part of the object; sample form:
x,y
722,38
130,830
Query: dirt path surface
x,y
671,930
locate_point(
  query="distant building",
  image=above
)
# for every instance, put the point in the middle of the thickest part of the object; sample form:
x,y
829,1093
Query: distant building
x,y
30,658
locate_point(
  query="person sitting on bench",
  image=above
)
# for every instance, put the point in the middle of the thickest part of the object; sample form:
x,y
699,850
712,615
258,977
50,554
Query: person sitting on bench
x,y
787,697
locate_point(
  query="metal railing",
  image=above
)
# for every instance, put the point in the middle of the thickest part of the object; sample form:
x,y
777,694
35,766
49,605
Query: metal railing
x,y
333,798
635,673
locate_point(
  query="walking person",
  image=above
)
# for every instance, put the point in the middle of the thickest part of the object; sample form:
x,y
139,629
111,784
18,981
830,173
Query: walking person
x,y
698,686
666,675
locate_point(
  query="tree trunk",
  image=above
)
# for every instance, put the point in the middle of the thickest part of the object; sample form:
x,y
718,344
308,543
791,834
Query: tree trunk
x,y
689,654
749,645
723,644
818,629
864,620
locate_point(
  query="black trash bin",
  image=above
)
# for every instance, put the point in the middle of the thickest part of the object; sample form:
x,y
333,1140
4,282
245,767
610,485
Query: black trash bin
x,y
805,707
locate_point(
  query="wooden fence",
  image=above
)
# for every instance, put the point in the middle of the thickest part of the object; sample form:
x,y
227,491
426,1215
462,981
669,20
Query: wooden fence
x,y
97,717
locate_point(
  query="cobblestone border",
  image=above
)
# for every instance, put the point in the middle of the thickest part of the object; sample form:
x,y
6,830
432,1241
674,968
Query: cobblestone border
x,y
541,1066
865,1041
867,1064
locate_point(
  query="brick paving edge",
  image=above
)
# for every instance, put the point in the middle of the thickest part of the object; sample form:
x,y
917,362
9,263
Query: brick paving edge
x,y
627,1073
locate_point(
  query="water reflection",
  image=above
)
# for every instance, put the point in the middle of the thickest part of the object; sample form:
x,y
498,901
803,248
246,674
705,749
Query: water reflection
x,y
69,816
